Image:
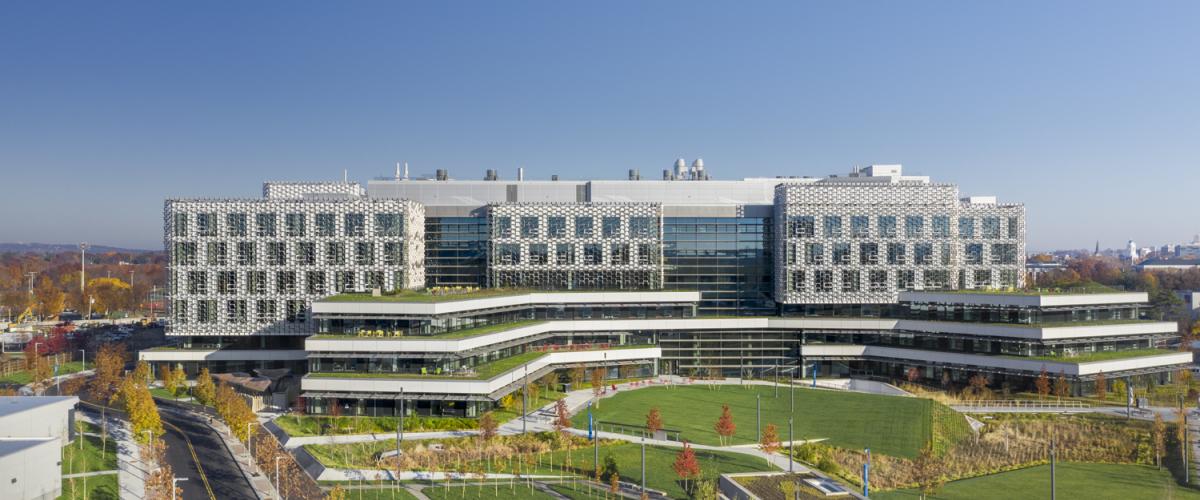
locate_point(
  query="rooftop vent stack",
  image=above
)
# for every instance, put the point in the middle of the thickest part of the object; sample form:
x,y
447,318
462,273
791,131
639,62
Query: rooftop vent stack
x,y
442,174
637,174
698,169
406,171
554,177
680,169
666,174
490,175
397,170
632,175
520,173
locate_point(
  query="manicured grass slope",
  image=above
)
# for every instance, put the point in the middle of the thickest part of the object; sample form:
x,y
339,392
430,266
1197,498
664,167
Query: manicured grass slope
x,y
890,425
519,491
1073,481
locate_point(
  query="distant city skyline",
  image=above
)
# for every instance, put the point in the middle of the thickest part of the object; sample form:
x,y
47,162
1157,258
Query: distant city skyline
x,y
1083,111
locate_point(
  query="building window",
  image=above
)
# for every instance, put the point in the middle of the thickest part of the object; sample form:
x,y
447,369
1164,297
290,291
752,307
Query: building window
x,y
306,253
556,227
206,224
265,224
206,311
564,254
529,227
823,281
619,254
868,254
583,227
642,227
294,225
276,253
335,253
973,254
647,254
227,283
508,254
326,225
245,253
983,278
860,226
539,254
833,226
1004,253
941,226
878,280
181,225
592,254
374,279
235,224
235,311
814,254
345,281
946,254
914,226
179,311
841,254
256,282
266,311
315,280
610,227
797,281
355,225
389,225
851,281
991,228
923,254
936,279
364,253
218,253
802,226
966,228
285,282
197,282
1014,228
393,253
906,279
887,226
895,254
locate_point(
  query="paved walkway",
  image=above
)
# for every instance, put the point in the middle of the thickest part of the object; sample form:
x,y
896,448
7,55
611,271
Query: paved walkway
x,y
90,474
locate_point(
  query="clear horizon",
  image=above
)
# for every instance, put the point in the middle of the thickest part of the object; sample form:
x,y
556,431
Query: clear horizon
x,y
1083,111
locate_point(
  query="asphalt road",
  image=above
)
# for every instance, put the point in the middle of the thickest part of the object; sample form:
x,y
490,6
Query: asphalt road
x,y
224,477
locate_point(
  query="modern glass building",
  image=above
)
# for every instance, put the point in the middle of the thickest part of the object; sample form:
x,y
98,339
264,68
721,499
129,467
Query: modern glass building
x,y
872,274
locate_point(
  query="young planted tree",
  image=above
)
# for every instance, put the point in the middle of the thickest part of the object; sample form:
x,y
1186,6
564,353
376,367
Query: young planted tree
x,y
159,483
134,397
1160,439
769,443
1043,384
167,375
487,427
576,375
653,421
109,362
686,466
1101,386
205,391
597,384
927,472
562,421
977,387
1061,387
725,426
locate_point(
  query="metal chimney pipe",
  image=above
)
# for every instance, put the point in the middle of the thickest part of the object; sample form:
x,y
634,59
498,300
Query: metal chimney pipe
x,y
520,173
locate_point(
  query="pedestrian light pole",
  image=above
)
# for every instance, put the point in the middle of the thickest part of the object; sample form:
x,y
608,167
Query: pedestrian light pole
x,y
82,275
758,417
278,488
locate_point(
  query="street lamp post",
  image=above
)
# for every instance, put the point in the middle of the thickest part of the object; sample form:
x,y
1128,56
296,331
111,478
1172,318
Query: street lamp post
x,y
82,276
83,359
791,444
643,465
249,443
399,432
278,488
758,417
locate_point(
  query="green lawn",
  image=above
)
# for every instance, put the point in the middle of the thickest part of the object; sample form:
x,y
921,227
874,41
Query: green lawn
x,y
311,425
89,459
92,488
456,334
389,491
1073,481
24,377
891,425
659,474
504,491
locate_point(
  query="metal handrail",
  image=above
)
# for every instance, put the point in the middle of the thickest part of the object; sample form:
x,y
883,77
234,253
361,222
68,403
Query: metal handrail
x,y
1024,403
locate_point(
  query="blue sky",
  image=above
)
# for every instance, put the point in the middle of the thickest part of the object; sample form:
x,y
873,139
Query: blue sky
x,y
1085,111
